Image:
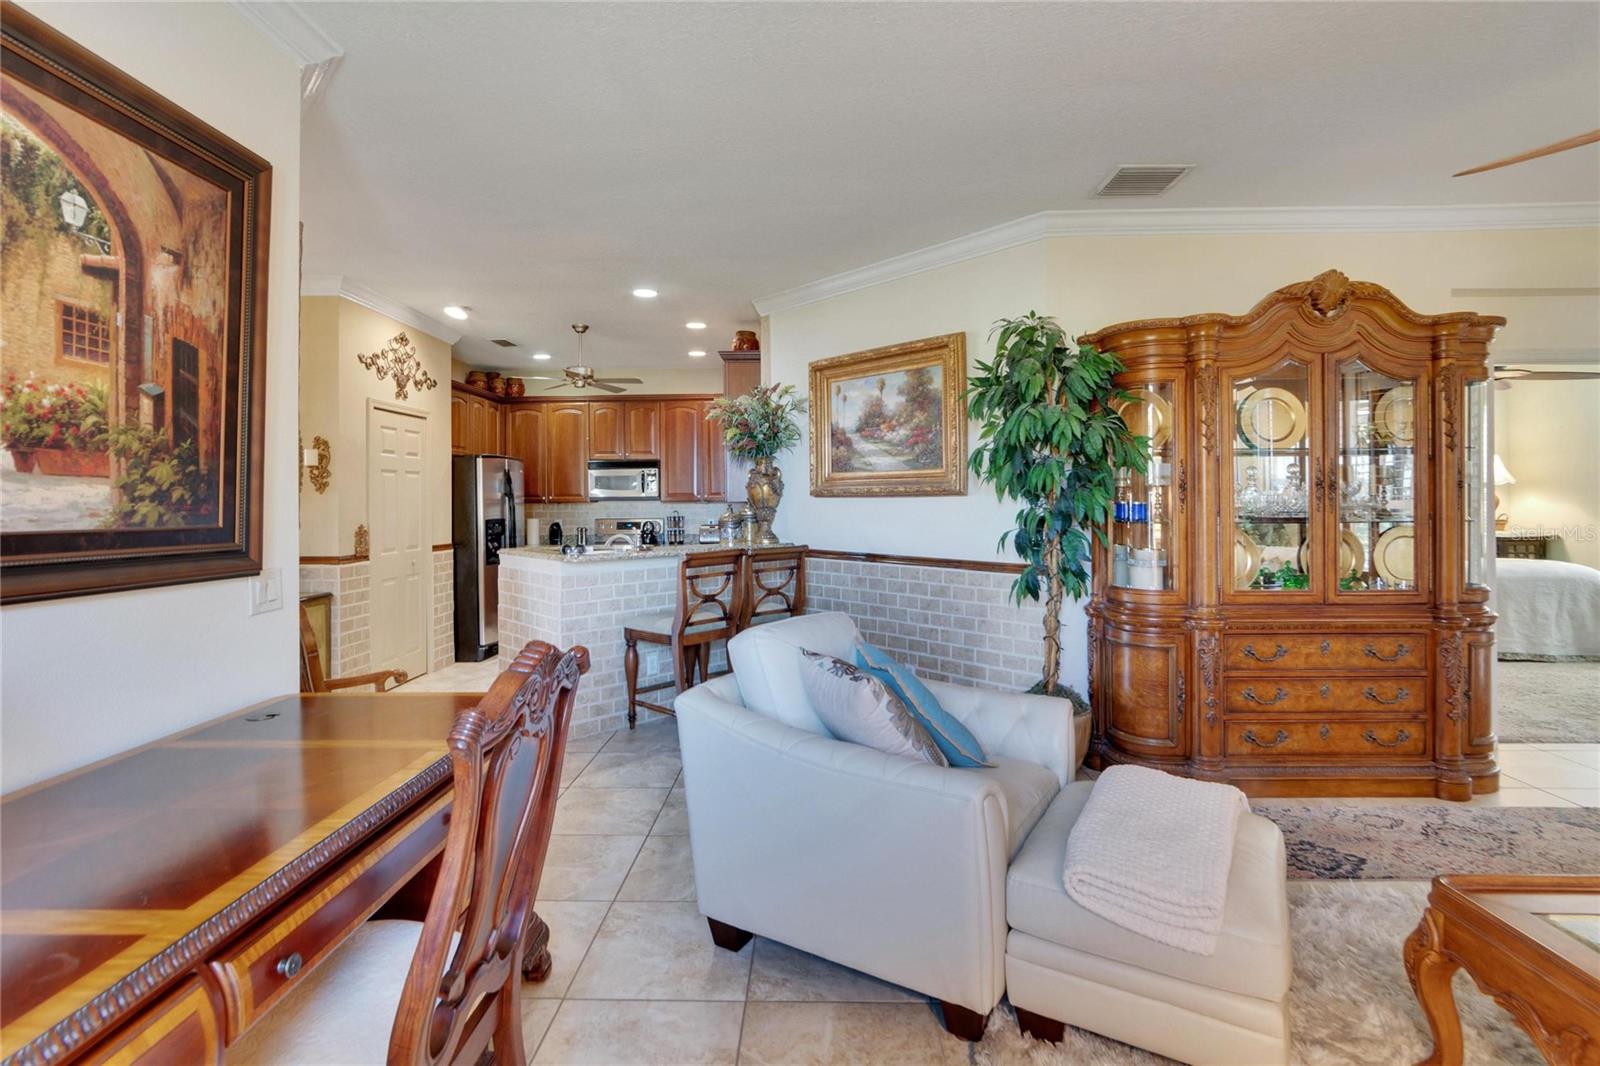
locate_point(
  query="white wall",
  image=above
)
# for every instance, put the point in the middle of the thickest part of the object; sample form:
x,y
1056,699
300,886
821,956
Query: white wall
x,y
1548,435
84,678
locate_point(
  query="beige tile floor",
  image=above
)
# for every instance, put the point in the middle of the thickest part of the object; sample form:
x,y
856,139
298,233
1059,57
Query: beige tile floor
x,y
636,978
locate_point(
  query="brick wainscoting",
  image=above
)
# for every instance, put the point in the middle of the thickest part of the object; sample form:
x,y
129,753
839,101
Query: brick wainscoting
x,y
949,624
350,624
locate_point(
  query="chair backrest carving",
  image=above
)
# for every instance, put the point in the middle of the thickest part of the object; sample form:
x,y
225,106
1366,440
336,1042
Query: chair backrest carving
x,y
710,596
312,679
506,755
775,585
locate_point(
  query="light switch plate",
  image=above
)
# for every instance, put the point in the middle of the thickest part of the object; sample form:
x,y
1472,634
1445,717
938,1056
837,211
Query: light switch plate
x,y
266,591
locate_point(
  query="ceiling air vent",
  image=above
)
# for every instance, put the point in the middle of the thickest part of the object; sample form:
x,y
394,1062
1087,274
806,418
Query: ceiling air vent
x,y
502,342
1148,180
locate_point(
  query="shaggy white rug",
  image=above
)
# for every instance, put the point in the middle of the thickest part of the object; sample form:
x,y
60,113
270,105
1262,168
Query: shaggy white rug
x,y
1350,1002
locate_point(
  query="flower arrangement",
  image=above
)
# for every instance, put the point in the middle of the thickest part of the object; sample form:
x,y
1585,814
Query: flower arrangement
x,y
35,415
760,424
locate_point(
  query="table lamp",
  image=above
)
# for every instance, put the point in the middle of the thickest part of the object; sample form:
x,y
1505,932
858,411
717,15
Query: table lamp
x,y
1502,476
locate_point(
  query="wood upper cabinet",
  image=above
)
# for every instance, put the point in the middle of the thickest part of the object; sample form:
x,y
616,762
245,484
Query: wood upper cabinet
x,y
567,452
458,422
713,459
606,438
526,440
475,423
641,432
682,443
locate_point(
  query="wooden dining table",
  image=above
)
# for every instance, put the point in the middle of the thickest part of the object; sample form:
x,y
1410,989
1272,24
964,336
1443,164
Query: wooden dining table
x,y
154,905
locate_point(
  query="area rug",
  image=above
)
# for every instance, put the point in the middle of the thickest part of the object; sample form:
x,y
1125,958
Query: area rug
x,y
1419,841
1547,703
1349,1003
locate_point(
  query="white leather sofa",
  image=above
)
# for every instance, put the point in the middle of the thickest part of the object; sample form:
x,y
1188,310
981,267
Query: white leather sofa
x,y
882,864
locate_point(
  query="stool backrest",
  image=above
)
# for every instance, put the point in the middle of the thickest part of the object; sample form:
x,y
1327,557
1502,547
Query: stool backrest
x,y
775,585
505,754
710,597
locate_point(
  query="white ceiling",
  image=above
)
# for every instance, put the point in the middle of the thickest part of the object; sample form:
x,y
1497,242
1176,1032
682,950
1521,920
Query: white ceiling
x,y
537,161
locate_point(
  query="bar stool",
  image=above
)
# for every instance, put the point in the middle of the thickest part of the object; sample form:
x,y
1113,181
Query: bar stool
x,y
774,585
710,601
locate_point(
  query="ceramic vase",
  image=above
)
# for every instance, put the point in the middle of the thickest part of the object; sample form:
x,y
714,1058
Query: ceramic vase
x,y
764,490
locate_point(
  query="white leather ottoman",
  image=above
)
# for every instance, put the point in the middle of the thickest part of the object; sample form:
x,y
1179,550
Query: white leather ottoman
x,y
1065,965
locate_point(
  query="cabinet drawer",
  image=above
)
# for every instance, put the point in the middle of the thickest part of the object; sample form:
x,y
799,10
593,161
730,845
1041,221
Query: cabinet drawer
x,y
183,1027
1300,739
1373,695
264,967
1342,651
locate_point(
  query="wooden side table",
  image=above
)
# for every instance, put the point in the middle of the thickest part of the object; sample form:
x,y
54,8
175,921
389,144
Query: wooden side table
x,y
1522,545
1531,943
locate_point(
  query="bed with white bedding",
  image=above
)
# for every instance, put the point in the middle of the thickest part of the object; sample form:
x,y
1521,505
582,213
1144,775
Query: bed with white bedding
x,y
1549,610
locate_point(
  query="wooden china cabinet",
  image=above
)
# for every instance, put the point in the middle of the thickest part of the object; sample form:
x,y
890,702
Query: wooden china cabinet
x,y
1294,599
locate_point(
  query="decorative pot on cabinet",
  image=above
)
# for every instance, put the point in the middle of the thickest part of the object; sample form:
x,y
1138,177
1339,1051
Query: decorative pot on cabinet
x,y
516,387
764,490
477,379
745,340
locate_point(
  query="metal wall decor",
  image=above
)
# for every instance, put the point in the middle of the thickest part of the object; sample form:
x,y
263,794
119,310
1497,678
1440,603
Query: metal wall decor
x,y
363,542
321,474
399,360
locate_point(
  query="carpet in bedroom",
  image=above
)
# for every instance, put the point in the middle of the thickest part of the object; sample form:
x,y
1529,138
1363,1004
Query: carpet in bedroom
x,y
1547,703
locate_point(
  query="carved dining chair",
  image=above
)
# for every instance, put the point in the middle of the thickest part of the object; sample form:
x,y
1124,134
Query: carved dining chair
x,y
312,679
710,598
447,990
774,585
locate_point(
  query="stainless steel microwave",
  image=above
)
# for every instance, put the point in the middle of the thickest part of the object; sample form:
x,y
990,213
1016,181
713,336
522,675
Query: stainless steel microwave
x,y
624,481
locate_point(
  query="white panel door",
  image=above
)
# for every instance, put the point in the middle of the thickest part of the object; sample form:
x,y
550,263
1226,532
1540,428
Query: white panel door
x,y
402,570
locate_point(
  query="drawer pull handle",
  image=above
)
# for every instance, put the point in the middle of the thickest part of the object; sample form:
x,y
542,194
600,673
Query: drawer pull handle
x,y
1251,738
1400,652
290,966
1278,652
1372,694
1277,697
1399,738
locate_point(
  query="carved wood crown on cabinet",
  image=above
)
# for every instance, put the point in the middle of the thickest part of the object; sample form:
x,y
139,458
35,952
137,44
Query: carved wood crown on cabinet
x,y
556,437
1312,606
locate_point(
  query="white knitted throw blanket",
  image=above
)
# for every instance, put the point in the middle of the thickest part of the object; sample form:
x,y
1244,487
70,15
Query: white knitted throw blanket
x,y
1151,853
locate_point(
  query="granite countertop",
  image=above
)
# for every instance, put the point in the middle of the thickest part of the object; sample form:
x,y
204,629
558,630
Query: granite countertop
x,y
547,554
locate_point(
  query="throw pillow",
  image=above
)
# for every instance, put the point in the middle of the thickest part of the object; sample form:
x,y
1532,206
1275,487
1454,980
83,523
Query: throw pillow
x,y
858,708
955,740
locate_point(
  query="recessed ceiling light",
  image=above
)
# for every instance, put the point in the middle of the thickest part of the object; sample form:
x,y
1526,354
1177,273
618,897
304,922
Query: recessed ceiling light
x,y
645,294
541,356
697,353
455,312
694,325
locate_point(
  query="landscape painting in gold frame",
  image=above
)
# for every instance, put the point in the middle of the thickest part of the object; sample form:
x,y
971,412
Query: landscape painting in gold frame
x,y
891,421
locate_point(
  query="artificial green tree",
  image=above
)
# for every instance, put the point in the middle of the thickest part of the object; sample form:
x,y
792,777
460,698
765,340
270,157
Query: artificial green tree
x,y
1052,438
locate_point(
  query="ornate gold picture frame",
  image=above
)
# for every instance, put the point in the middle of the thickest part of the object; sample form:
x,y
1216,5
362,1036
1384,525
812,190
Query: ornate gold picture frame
x,y
891,421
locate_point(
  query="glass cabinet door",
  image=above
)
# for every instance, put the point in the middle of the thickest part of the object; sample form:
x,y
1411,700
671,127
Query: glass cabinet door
x,y
1145,549
1478,541
1269,548
1376,482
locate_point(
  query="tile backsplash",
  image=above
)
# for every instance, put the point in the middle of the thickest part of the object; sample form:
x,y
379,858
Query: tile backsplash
x,y
573,515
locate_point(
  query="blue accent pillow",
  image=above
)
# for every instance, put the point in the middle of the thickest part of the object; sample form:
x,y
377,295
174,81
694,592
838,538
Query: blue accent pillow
x,y
951,737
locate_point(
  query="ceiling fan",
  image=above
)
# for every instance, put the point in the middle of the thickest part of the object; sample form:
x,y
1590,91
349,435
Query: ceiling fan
x,y
1504,376
1550,149
580,376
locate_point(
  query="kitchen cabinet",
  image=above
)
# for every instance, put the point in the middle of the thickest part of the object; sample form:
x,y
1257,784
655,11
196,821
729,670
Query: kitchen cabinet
x,y
641,422
475,423
606,437
566,452
526,440
458,423
693,461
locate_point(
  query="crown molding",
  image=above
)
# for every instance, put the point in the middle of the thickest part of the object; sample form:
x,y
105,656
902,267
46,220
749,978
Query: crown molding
x,y
1149,222
343,287
290,27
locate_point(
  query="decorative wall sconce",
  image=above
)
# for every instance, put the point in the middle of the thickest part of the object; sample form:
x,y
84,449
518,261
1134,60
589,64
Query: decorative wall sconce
x,y
399,358
317,459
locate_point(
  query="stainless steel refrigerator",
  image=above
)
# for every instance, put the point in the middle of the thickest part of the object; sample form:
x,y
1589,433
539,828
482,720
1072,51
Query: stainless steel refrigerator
x,y
487,500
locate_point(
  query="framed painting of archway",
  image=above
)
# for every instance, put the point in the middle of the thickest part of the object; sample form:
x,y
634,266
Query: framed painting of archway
x,y
132,330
